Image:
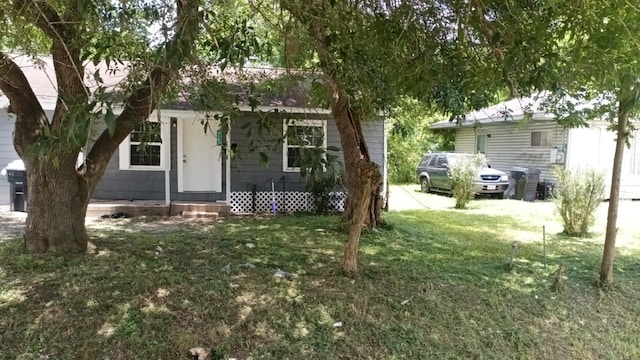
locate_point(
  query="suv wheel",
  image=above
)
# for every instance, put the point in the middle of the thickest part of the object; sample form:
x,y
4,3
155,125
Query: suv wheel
x,y
424,185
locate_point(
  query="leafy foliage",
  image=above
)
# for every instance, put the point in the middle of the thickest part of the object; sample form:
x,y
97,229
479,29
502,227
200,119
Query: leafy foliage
x,y
408,137
577,195
463,174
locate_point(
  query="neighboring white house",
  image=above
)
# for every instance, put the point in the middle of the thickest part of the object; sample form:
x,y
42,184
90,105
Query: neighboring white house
x,y
510,139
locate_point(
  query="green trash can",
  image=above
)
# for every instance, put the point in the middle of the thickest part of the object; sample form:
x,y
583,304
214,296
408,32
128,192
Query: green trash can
x,y
526,182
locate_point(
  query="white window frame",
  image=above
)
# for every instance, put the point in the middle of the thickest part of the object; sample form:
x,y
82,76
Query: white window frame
x,y
165,163
544,135
486,140
285,146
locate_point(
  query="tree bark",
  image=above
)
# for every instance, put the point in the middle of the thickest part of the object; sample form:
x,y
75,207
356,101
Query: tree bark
x,y
363,179
57,200
606,269
58,192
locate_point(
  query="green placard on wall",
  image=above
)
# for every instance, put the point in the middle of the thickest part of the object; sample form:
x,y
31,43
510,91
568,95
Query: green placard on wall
x,y
219,137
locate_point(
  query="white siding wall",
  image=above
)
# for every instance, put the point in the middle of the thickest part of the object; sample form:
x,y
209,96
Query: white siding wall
x,y
465,140
509,145
595,146
7,152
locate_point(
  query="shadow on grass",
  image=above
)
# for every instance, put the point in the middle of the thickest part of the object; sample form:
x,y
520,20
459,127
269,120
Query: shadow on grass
x,y
434,285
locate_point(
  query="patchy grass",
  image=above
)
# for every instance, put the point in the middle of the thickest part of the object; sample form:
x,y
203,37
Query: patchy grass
x,y
134,301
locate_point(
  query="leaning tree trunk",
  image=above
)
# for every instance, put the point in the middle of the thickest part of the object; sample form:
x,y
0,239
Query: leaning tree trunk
x,y
363,181
359,153
606,269
57,200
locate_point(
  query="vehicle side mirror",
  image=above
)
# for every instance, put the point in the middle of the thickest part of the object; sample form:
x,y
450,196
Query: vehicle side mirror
x,y
444,165
489,166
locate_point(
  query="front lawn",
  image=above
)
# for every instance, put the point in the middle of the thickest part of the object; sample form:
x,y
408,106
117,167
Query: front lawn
x,y
434,285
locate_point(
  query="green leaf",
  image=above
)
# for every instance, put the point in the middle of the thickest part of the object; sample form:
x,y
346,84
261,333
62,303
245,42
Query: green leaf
x,y
111,121
264,158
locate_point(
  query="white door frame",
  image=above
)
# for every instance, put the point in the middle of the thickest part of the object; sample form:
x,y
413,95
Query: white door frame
x,y
180,152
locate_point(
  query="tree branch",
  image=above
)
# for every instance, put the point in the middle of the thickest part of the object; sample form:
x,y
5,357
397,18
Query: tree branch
x,y
489,35
40,14
30,117
145,98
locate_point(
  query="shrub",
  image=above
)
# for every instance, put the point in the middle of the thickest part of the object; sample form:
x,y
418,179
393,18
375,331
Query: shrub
x,y
463,173
323,189
577,195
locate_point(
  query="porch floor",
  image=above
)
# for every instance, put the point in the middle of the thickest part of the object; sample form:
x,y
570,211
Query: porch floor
x,y
128,208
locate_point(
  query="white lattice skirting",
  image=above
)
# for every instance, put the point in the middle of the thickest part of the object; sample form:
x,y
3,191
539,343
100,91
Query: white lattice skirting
x,y
290,201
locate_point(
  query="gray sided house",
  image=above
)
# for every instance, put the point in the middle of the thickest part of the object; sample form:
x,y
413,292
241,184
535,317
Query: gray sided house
x,y
510,139
182,163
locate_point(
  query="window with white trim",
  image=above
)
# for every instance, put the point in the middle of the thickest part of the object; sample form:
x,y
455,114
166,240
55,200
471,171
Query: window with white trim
x,y
143,149
301,134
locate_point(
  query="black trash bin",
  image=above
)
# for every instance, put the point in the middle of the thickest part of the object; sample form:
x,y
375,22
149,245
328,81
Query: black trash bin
x,y
17,190
526,183
545,190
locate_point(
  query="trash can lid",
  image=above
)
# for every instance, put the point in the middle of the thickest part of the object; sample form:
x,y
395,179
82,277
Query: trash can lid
x,y
14,165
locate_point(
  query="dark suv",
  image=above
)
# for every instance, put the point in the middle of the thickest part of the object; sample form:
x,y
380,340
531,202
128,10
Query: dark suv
x,y
434,175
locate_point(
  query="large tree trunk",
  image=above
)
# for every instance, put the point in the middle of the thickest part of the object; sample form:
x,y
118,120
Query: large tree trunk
x,y
57,200
363,180
606,269
356,153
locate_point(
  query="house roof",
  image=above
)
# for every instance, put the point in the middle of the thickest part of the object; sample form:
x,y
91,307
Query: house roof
x,y
507,111
293,97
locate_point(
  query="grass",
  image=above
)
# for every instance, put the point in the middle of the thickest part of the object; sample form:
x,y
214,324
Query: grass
x,y
127,302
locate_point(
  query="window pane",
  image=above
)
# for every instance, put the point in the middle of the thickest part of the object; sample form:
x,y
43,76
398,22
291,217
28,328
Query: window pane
x,y
535,138
481,143
305,135
145,155
147,132
293,157
541,138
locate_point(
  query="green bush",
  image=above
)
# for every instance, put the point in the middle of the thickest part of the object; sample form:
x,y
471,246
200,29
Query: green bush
x,y
463,173
577,195
323,189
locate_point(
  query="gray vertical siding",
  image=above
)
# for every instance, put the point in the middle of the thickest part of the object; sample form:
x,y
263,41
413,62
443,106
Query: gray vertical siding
x,y
509,145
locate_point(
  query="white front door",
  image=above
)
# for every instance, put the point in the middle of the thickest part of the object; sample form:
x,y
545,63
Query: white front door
x,y
199,158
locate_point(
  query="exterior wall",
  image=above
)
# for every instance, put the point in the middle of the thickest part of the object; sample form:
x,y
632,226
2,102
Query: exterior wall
x,y
594,147
508,145
149,185
7,152
118,184
247,172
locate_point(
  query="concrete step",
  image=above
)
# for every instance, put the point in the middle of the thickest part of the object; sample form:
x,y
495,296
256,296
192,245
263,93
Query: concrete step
x,y
199,214
180,207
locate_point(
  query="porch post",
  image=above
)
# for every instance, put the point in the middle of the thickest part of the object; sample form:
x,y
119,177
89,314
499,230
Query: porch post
x,y
167,168
227,185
